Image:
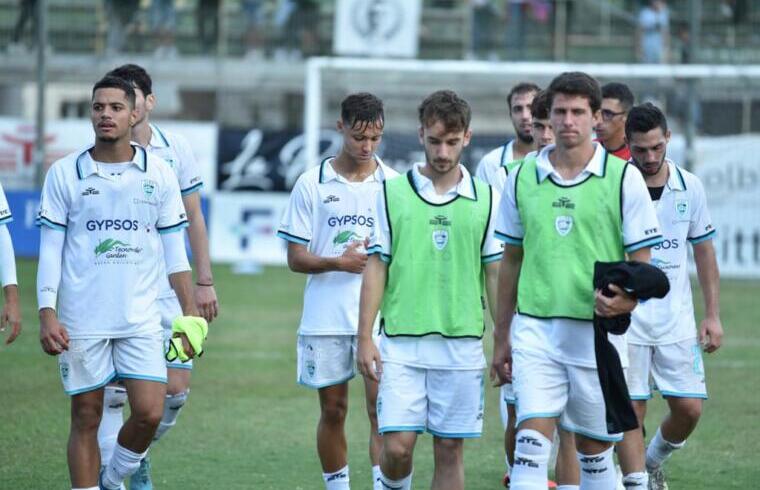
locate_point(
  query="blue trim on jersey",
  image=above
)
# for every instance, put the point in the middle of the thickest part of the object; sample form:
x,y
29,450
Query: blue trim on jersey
x,y
590,435
504,153
6,220
509,401
161,134
707,236
455,435
327,384
419,429
43,221
675,394
641,398
292,238
649,242
191,189
94,387
491,258
142,377
508,239
385,258
171,229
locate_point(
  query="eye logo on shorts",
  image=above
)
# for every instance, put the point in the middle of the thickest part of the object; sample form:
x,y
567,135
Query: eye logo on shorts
x,y
563,225
311,368
64,370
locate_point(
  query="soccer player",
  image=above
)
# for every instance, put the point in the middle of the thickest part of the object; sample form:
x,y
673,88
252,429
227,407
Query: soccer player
x,y
490,167
571,205
617,100
432,261
11,313
663,342
175,150
328,220
110,217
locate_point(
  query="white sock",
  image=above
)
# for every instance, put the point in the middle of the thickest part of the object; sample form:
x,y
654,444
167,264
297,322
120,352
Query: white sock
x,y
114,399
531,463
376,475
636,481
402,484
659,450
337,480
172,406
568,487
88,488
598,471
122,465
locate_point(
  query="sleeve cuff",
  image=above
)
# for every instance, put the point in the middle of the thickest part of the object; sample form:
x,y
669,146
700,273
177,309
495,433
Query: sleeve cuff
x,y
172,228
511,240
191,189
43,221
292,238
487,259
707,236
649,242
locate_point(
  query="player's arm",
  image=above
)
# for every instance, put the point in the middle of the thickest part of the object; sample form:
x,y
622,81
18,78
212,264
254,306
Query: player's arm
x,y
205,294
301,260
710,330
53,336
622,302
508,275
373,286
180,277
11,314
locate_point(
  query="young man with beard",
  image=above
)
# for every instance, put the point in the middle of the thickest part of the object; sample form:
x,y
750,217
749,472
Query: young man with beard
x,y
664,344
175,150
433,259
617,100
110,217
327,223
490,168
563,210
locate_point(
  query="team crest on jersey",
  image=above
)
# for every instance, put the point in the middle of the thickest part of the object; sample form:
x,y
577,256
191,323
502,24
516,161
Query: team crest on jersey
x,y
682,208
440,239
149,187
563,224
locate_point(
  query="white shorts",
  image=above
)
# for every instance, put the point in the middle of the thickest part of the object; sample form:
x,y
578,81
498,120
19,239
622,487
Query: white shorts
x,y
90,364
446,402
547,388
170,309
676,370
506,397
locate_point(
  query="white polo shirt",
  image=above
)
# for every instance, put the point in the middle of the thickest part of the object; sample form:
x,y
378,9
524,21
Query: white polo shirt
x,y
327,213
5,211
434,351
682,211
175,150
570,340
113,263
491,167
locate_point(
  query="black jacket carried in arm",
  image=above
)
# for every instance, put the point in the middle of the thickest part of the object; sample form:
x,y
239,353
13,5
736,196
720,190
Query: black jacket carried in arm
x,y
643,281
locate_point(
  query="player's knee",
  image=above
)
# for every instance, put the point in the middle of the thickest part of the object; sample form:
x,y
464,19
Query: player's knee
x,y
85,417
334,412
147,417
397,451
448,451
689,409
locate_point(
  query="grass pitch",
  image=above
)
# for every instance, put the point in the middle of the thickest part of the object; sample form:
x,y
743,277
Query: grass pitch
x,y
248,425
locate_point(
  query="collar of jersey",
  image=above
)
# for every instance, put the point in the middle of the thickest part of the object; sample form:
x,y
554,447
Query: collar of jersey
x,y
86,165
544,167
157,138
465,187
328,173
676,181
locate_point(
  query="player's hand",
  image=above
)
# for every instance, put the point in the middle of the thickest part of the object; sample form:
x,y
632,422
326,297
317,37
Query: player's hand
x,y
11,315
53,336
501,364
711,334
352,260
620,304
206,302
186,346
368,360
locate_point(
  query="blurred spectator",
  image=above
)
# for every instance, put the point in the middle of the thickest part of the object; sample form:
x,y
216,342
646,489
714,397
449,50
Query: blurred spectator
x,y
163,20
254,21
27,13
653,32
208,24
298,21
119,15
483,13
